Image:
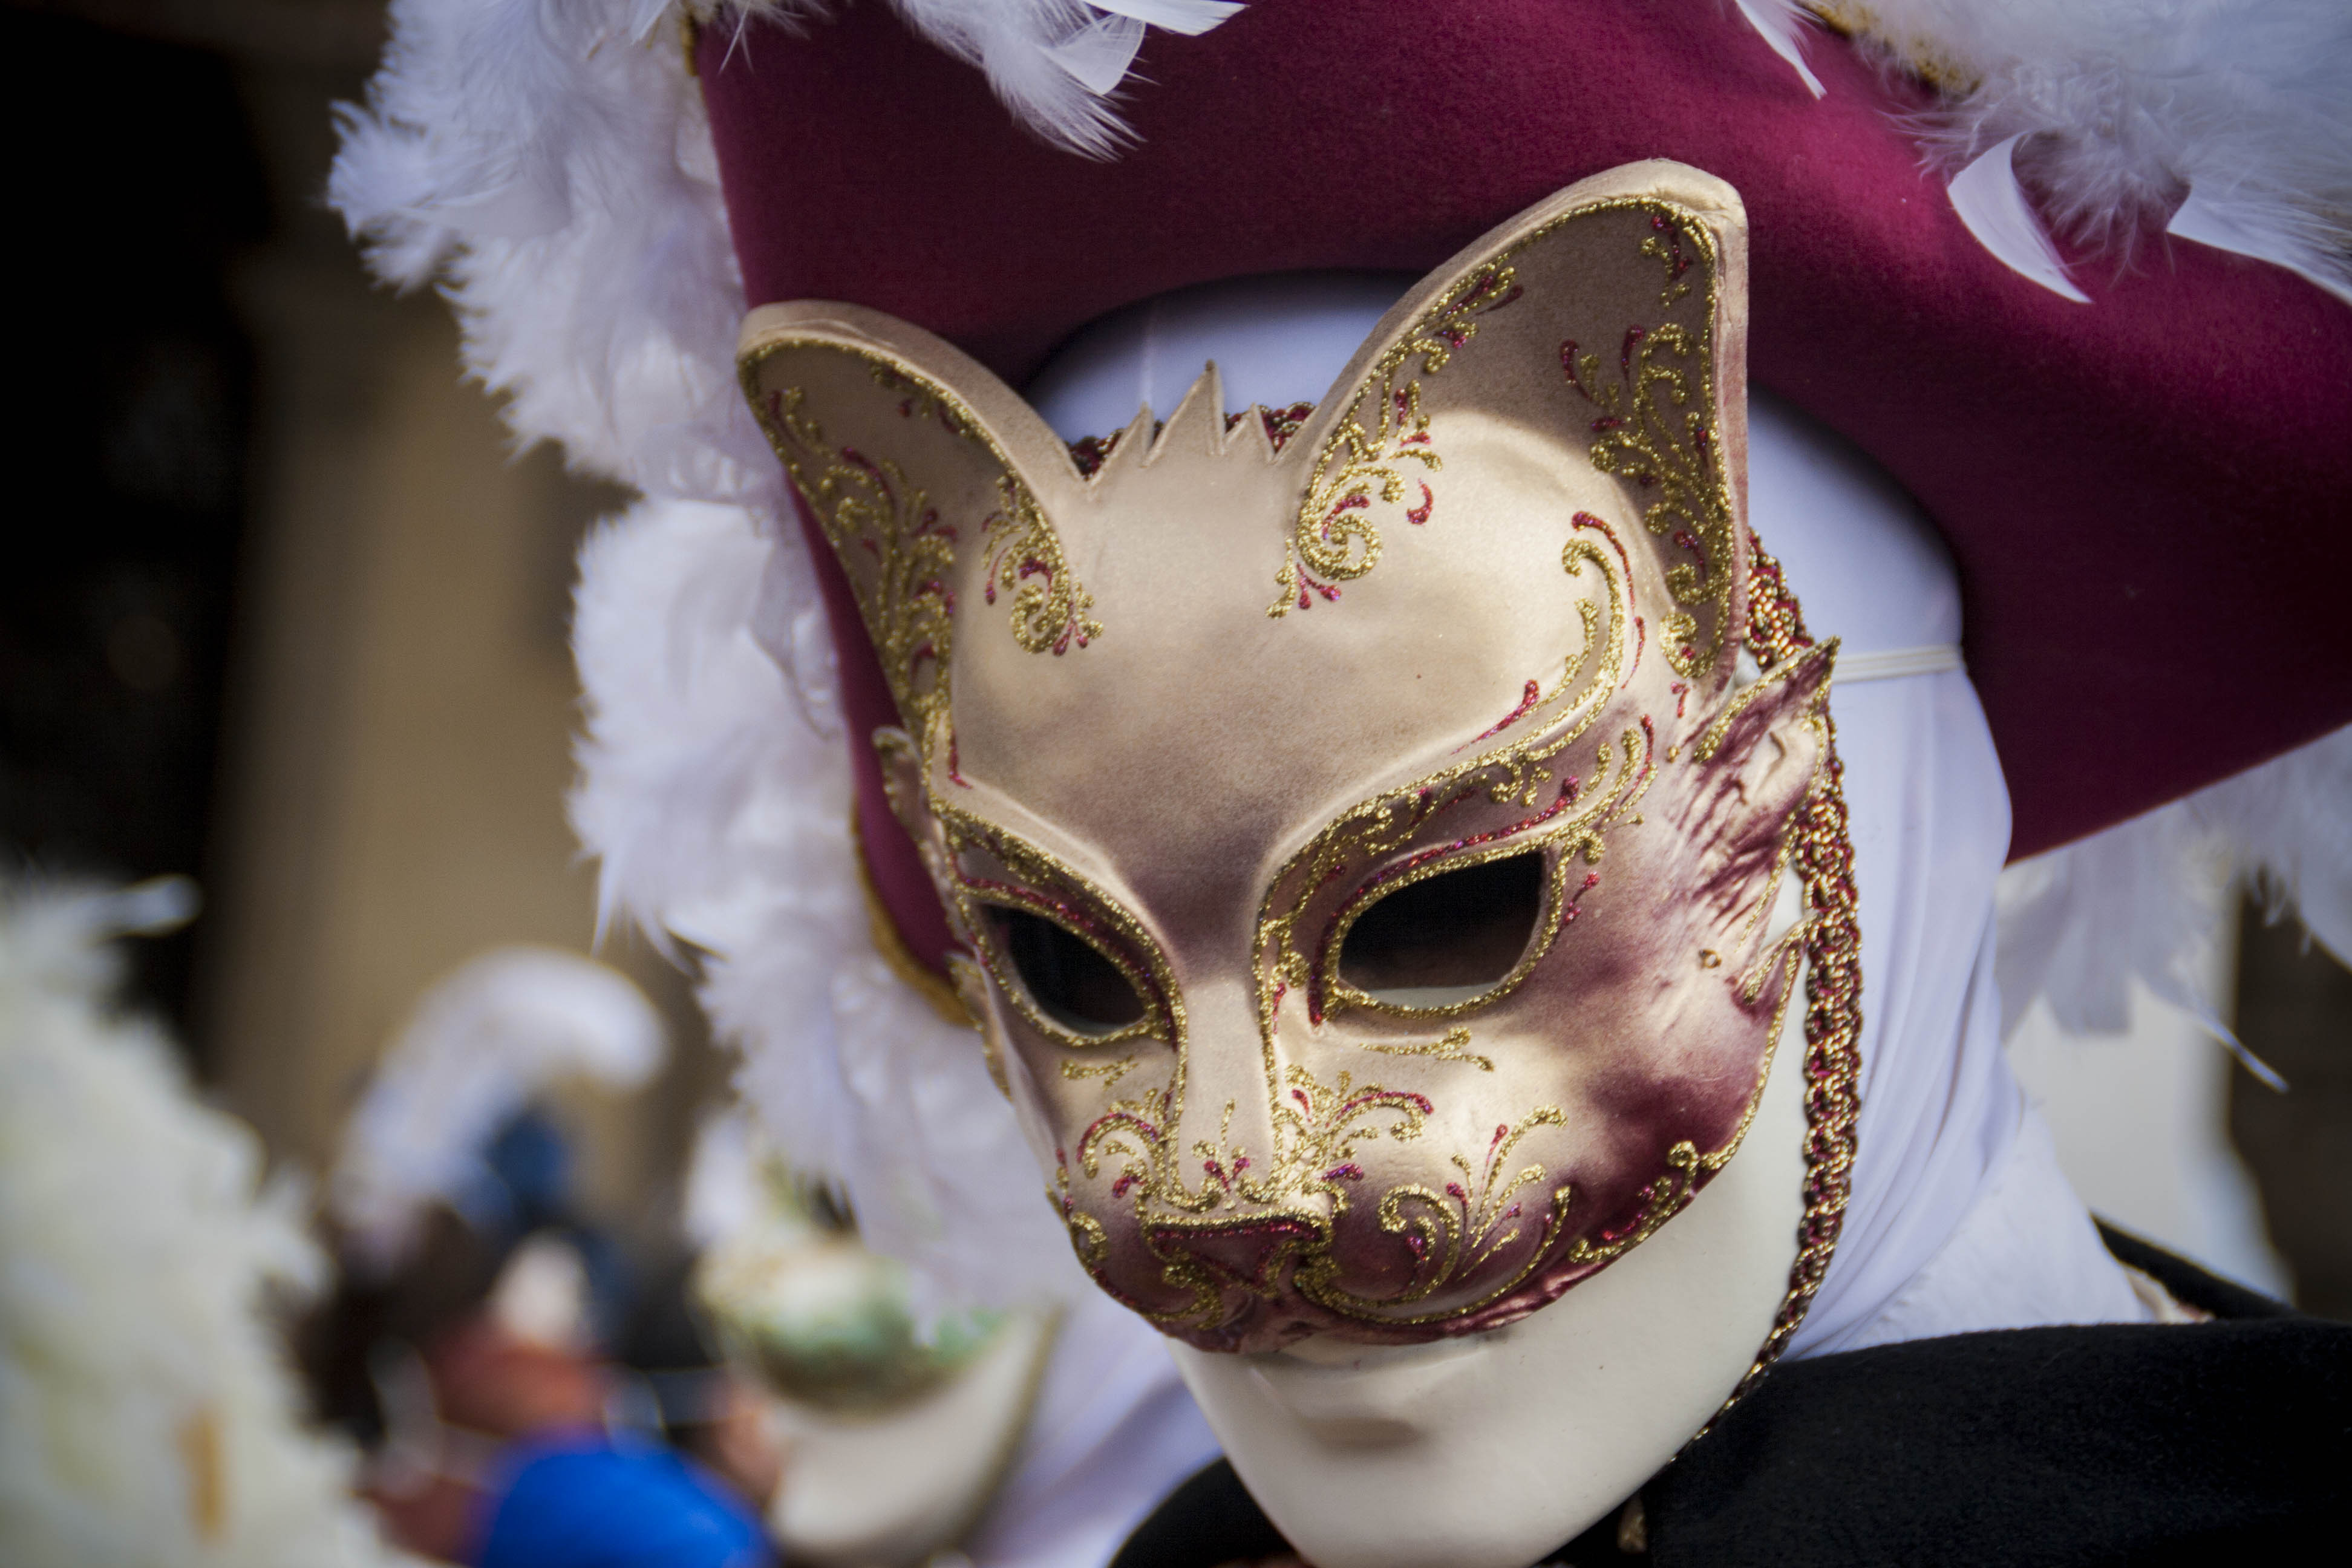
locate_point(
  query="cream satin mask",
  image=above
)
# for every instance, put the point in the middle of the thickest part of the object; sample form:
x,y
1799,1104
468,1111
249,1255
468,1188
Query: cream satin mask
x,y
1361,820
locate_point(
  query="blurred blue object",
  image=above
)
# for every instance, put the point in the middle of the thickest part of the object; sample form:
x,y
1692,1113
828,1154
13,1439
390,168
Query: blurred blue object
x,y
578,1501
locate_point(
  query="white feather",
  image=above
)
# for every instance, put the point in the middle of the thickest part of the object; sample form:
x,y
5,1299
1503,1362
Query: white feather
x,y
2079,923
1782,24
2127,108
720,813
146,1413
1056,63
479,1045
1987,197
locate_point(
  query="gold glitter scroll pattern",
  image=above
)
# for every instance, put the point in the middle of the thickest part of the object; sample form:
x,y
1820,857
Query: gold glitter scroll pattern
x,y
1456,1232
1380,450
867,507
1654,424
899,553
1825,860
1317,1130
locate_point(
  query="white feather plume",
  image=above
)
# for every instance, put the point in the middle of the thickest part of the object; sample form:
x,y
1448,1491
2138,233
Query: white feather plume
x,y
718,800
146,1412
2228,121
2141,900
479,1045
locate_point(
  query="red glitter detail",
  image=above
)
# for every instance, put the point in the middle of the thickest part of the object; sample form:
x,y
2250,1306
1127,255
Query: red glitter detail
x,y
1420,514
1454,1190
954,776
1308,585
1089,453
1633,336
1676,262
1527,699
1689,541
1350,1173
1682,695
1475,302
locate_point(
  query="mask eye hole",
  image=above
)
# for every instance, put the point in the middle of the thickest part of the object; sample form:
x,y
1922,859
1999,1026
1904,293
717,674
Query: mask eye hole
x,y
1070,982
1448,938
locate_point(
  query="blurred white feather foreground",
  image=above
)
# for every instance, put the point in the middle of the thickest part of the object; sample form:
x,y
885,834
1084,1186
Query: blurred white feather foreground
x,y
718,801
479,1046
2138,901
146,1416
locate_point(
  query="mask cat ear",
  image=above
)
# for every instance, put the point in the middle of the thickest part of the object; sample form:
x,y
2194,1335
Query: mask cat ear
x,y
934,483
1610,319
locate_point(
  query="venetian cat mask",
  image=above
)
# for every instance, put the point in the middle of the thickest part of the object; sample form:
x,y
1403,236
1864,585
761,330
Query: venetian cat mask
x,y
1357,822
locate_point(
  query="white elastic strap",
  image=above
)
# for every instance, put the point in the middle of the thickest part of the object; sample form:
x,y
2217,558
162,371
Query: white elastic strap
x,y
1897,662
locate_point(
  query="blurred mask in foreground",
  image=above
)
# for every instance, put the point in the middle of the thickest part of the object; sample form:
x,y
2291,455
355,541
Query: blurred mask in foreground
x,y
896,1438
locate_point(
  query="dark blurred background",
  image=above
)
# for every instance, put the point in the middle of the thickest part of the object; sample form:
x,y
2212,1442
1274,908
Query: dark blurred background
x,y
287,614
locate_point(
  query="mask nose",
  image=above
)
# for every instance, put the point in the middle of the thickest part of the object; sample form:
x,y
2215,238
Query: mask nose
x,y
1223,1141
1254,1256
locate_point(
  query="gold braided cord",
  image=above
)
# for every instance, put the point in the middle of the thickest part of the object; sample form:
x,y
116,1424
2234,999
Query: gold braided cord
x,y
1824,859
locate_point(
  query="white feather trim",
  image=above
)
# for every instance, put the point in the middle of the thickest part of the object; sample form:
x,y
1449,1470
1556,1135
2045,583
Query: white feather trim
x,y
1987,196
551,163
2079,923
2224,121
1782,25
720,812
479,1045
146,1415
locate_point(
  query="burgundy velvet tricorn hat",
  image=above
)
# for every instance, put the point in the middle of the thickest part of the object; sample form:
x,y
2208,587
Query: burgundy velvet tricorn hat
x,y
2146,495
